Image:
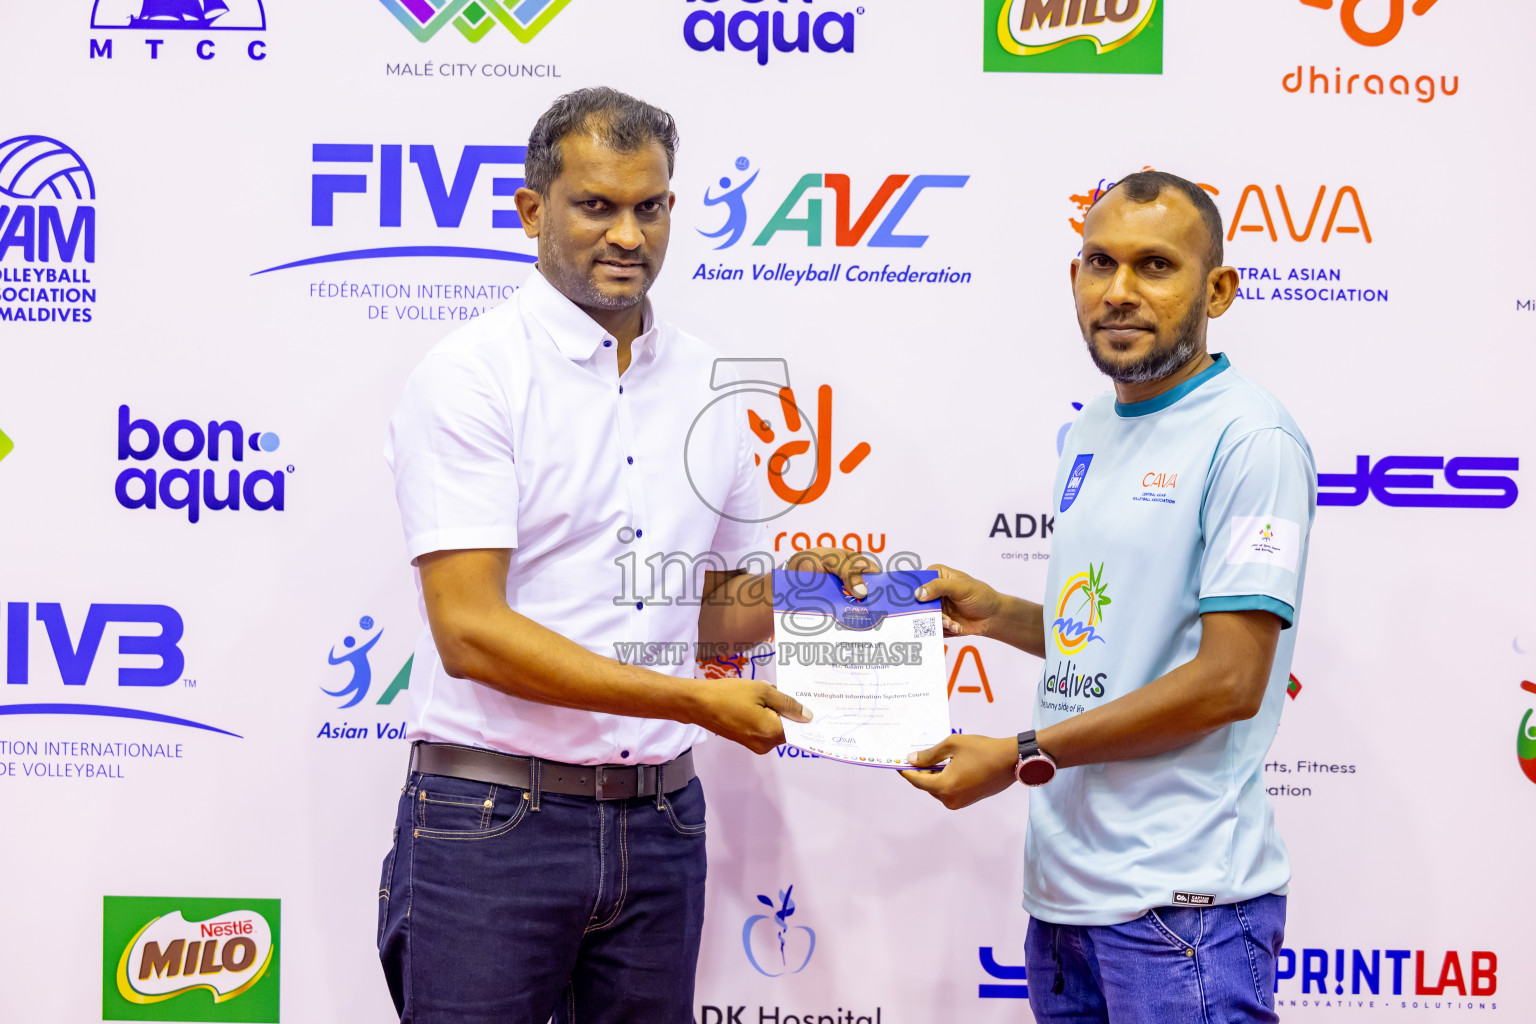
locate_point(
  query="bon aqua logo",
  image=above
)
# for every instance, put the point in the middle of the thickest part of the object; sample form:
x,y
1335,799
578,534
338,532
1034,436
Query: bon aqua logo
x,y
1086,36
1072,635
475,19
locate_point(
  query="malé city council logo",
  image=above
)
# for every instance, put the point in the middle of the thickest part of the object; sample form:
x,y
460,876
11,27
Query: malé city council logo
x,y
475,19
1070,634
1090,36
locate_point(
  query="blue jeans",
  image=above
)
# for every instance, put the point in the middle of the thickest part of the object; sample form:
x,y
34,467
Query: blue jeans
x,y
504,906
1172,965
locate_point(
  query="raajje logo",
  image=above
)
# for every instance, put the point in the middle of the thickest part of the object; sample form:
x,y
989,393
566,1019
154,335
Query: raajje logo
x,y
1094,36
774,946
1525,742
190,959
1084,592
475,19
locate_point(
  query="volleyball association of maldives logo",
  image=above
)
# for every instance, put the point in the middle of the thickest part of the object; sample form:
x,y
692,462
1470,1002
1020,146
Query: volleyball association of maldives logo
x,y
1083,594
475,19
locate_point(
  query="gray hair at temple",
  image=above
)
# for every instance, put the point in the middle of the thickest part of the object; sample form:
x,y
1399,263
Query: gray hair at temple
x,y
619,121
1146,186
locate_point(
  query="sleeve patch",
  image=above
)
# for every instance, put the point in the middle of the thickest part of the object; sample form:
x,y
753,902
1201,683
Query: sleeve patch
x,y
1265,540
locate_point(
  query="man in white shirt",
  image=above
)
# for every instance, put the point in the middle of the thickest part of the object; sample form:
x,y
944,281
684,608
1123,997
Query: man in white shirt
x,y
1153,872
549,845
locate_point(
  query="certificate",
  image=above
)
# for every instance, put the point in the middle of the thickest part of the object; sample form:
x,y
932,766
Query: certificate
x,y
870,670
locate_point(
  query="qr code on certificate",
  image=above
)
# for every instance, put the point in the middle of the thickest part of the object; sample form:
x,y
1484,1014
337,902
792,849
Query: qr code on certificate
x,y
923,626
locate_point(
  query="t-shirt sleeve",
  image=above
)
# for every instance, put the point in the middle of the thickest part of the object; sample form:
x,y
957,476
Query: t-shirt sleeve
x,y
450,446
741,530
1256,520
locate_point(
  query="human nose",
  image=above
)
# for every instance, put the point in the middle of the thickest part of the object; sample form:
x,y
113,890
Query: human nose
x,y
1122,288
626,233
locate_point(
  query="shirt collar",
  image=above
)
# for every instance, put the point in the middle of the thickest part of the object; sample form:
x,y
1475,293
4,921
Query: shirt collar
x,y
576,334
1173,394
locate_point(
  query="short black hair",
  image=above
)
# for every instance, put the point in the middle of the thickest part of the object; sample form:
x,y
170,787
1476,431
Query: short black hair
x,y
619,120
1146,186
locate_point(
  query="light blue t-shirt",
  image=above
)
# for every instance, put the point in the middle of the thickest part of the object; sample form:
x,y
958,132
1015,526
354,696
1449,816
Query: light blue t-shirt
x,y
1199,500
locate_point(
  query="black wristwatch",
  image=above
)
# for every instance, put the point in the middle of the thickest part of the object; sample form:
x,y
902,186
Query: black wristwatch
x,y
1035,767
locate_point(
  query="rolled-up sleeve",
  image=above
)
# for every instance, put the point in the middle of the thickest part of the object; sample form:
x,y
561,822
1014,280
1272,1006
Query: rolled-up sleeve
x,y
450,446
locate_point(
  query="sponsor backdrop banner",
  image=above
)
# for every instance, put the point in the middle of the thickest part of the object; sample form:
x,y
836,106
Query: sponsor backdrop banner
x,y
229,229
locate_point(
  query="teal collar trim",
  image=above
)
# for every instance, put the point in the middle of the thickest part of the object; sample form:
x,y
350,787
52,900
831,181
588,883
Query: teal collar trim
x,y
1172,395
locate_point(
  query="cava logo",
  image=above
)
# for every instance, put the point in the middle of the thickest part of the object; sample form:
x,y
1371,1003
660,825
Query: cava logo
x,y
475,19
190,959
1084,594
47,232
1094,36
194,17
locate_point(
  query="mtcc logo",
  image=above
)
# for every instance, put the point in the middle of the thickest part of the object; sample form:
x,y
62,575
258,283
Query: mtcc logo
x,y
800,467
1349,16
191,16
355,657
775,947
475,19
1070,634
850,225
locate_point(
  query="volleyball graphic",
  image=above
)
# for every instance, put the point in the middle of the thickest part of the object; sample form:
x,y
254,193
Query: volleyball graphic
x,y
37,167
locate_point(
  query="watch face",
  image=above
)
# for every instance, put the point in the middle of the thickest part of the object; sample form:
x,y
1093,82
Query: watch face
x,y
1035,771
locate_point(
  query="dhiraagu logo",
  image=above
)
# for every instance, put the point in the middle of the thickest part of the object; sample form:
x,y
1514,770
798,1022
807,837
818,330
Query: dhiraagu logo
x,y
172,959
1089,36
1084,594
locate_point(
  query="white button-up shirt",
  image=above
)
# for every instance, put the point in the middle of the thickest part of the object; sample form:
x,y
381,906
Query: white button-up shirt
x,y
517,431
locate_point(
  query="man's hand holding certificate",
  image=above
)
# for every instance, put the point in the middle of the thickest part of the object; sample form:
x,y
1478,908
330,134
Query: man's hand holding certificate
x,y
871,669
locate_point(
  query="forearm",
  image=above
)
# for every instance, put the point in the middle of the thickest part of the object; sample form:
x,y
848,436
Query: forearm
x,y
1170,712
511,653
1019,624
737,613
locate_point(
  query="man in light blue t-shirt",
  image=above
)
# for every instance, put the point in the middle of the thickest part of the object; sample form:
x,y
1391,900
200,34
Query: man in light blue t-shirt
x,y
1153,873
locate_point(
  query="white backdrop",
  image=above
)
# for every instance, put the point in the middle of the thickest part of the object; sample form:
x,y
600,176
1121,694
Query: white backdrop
x,y
200,169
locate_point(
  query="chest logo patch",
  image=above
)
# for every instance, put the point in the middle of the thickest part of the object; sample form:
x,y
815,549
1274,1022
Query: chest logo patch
x,y
1075,481
1083,594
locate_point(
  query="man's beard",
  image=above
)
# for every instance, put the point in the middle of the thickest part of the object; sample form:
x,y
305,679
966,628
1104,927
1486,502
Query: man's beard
x,y
1160,362
583,286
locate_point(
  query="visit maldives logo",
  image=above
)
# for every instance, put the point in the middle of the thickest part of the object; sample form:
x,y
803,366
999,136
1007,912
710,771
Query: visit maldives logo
x,y
475,19
1072,635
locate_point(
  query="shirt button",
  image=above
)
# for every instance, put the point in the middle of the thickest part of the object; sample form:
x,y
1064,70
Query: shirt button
x,y
639,606
623,754
630,459
639,533
607,343
621,389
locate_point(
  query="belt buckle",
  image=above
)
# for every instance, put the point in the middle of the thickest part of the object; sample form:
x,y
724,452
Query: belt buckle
x,y
610,784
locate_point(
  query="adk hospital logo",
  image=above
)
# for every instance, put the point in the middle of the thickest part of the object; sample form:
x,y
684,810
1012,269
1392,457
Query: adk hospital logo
x,y
870,217
1092,36
47,233
183,959
190,31
775,947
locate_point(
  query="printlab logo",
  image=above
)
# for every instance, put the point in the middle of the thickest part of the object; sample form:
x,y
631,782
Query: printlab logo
x,y
1415,481
777,948
190,959
475,19
48,226
752,29
1091,36
801,468
186,487
1379,972
355,658
1525,742
1017,986
1070,634
195,17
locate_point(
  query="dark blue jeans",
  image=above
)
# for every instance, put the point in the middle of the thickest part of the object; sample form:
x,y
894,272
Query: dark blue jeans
x,y
1172,965
500,906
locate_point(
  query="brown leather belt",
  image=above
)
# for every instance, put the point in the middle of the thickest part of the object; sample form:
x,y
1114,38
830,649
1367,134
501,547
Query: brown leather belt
x,y
598,781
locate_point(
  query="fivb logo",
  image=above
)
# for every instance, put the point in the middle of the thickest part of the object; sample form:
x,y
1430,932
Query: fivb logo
x,y
202,17
46,218
848,229
475,19
1103,36
190,959
191,489
752,29
447,190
